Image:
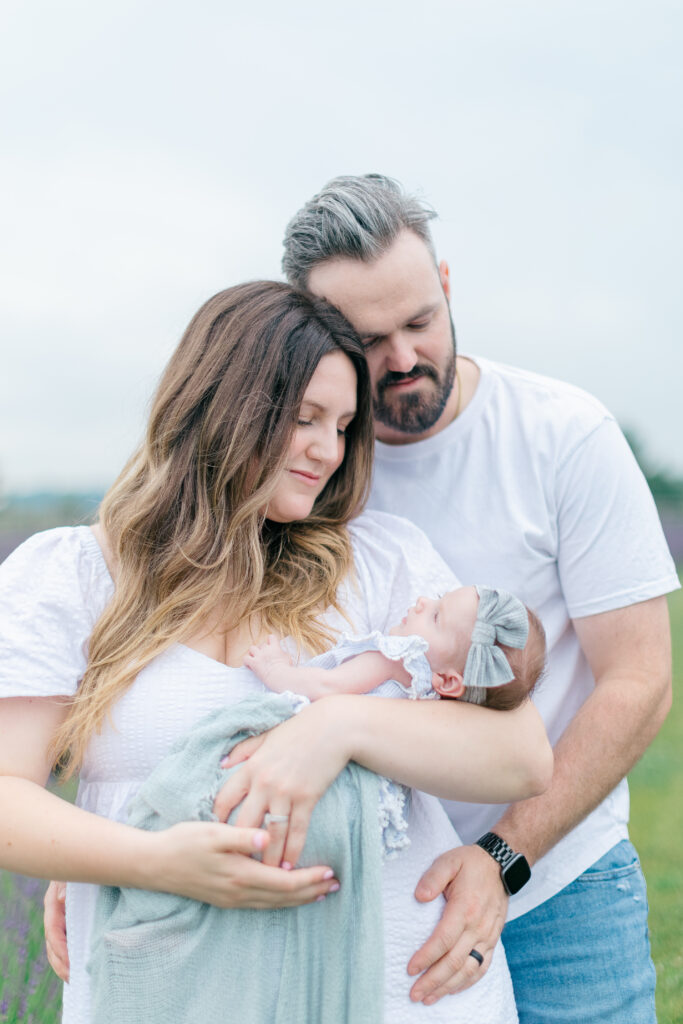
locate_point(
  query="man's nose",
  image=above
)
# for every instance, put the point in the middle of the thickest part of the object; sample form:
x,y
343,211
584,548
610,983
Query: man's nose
x,y
400,356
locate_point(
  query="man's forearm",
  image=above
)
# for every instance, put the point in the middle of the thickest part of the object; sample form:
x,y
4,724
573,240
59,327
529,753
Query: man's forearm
x,y
609,733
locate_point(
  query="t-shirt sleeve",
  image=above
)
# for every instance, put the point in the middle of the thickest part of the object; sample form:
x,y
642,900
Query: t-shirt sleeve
x,y
395,564
611,546
52,590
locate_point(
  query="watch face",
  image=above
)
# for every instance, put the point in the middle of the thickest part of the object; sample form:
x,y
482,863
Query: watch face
x,y
516,874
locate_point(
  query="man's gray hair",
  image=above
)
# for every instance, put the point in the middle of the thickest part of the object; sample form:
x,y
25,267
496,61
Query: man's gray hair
x,y
353,216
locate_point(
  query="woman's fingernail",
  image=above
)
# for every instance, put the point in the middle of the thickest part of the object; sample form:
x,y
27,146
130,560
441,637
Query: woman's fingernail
x,y
259,839
335,887
286,866
224,762
328,875
320,898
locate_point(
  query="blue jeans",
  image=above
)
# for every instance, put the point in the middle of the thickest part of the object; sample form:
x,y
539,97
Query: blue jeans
x,y
583,956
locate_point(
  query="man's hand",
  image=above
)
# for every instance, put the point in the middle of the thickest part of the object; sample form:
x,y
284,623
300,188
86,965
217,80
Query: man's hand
x,y
474,916
54,921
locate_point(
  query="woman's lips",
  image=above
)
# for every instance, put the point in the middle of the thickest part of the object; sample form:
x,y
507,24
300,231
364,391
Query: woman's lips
x,y
306,478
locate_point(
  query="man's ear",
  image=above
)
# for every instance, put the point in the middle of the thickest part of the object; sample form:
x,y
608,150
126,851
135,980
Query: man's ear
x,y
445,278
448,683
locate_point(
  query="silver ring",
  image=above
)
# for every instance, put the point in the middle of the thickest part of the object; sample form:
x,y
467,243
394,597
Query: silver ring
x,y
275,819
477,956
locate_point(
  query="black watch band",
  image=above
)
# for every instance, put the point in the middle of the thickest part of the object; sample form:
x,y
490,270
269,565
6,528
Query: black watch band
x,y
514,867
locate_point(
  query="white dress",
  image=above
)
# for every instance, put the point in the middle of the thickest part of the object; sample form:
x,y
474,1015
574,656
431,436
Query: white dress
x,y
52,590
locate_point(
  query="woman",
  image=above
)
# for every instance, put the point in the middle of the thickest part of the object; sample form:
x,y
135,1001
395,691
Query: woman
x,y
231,522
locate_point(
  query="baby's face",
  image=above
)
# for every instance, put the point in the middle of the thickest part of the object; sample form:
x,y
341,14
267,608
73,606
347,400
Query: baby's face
x,y
446,623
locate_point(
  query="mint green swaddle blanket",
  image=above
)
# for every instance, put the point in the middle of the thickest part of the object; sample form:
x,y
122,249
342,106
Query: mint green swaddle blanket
x,y
159,958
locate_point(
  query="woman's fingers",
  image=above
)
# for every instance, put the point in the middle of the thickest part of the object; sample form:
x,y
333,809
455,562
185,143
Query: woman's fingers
x,y
277,830
273,887
296,833
244,840
243,751
201,860
232,793
54,919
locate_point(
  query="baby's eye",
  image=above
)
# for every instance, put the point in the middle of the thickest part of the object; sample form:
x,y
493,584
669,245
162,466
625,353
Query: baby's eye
x,y
304,423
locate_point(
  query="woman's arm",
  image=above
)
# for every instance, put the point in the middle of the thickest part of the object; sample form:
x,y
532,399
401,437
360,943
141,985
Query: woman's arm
x,y
449,748
44,836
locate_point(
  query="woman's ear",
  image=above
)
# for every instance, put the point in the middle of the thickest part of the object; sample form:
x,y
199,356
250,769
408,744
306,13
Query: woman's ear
x,y
448,683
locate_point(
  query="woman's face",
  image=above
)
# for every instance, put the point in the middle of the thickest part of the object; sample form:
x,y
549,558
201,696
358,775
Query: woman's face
x,y
319,442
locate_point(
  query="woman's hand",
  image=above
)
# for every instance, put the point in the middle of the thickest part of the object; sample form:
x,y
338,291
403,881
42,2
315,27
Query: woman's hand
x,y
207,862
210,862
285,772
54,922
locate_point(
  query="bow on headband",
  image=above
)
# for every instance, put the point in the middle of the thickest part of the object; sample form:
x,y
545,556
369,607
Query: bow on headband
x,y
500,617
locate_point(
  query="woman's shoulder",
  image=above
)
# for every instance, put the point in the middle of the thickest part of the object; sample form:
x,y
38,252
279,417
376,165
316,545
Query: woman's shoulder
x,y
62,559
394,541
395,562
53,588
386,531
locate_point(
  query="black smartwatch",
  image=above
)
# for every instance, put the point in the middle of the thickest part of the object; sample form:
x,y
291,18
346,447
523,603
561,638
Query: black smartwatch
x,y
514,867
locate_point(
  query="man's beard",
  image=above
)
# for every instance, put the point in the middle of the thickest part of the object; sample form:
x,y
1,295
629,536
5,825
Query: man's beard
x,y
414,413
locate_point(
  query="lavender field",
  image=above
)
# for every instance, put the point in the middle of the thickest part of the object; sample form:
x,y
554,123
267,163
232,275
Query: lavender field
x,y
30,993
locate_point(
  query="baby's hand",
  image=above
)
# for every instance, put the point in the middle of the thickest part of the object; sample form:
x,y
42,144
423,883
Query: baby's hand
x,y
271,664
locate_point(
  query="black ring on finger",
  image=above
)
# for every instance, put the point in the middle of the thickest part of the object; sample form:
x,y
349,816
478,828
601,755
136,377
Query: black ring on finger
x,y
477,956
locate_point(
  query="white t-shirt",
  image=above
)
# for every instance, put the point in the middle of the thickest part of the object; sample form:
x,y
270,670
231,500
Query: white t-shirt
x,y
534,488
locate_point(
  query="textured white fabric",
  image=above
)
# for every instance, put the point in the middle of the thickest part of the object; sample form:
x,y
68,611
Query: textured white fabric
x,y
52,590
533,488
410,650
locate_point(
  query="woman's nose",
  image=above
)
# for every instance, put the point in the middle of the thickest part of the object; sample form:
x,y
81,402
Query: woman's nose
x,y
325,447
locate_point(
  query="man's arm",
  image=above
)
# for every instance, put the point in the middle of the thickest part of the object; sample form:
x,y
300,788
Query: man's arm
x,y
629,652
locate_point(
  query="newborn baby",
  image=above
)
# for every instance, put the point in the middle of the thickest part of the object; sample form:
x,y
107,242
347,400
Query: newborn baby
x,y
476,644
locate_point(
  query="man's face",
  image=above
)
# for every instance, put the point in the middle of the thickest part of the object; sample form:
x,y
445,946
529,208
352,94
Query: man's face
x,y
398,303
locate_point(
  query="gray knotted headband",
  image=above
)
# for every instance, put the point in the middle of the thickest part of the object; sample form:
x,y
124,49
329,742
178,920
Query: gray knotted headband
x,y
503,618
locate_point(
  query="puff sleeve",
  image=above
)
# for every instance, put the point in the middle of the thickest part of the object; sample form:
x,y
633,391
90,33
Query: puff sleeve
x,y
53,588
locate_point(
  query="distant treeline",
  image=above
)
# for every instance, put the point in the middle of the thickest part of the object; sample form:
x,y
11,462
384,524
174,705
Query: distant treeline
x,y
666,487
24,514
44,509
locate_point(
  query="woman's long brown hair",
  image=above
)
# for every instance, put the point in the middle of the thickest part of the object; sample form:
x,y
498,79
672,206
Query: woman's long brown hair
x,y
185,519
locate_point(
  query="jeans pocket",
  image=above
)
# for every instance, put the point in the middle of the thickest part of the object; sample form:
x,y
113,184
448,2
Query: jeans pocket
x,y
621,860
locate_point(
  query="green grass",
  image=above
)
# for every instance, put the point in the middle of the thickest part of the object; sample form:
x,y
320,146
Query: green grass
x,y
30,994
657,829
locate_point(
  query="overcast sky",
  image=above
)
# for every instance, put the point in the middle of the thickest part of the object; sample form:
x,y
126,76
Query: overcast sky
x,y
153,153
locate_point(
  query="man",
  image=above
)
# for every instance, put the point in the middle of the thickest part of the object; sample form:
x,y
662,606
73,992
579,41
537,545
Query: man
x,y
525,483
